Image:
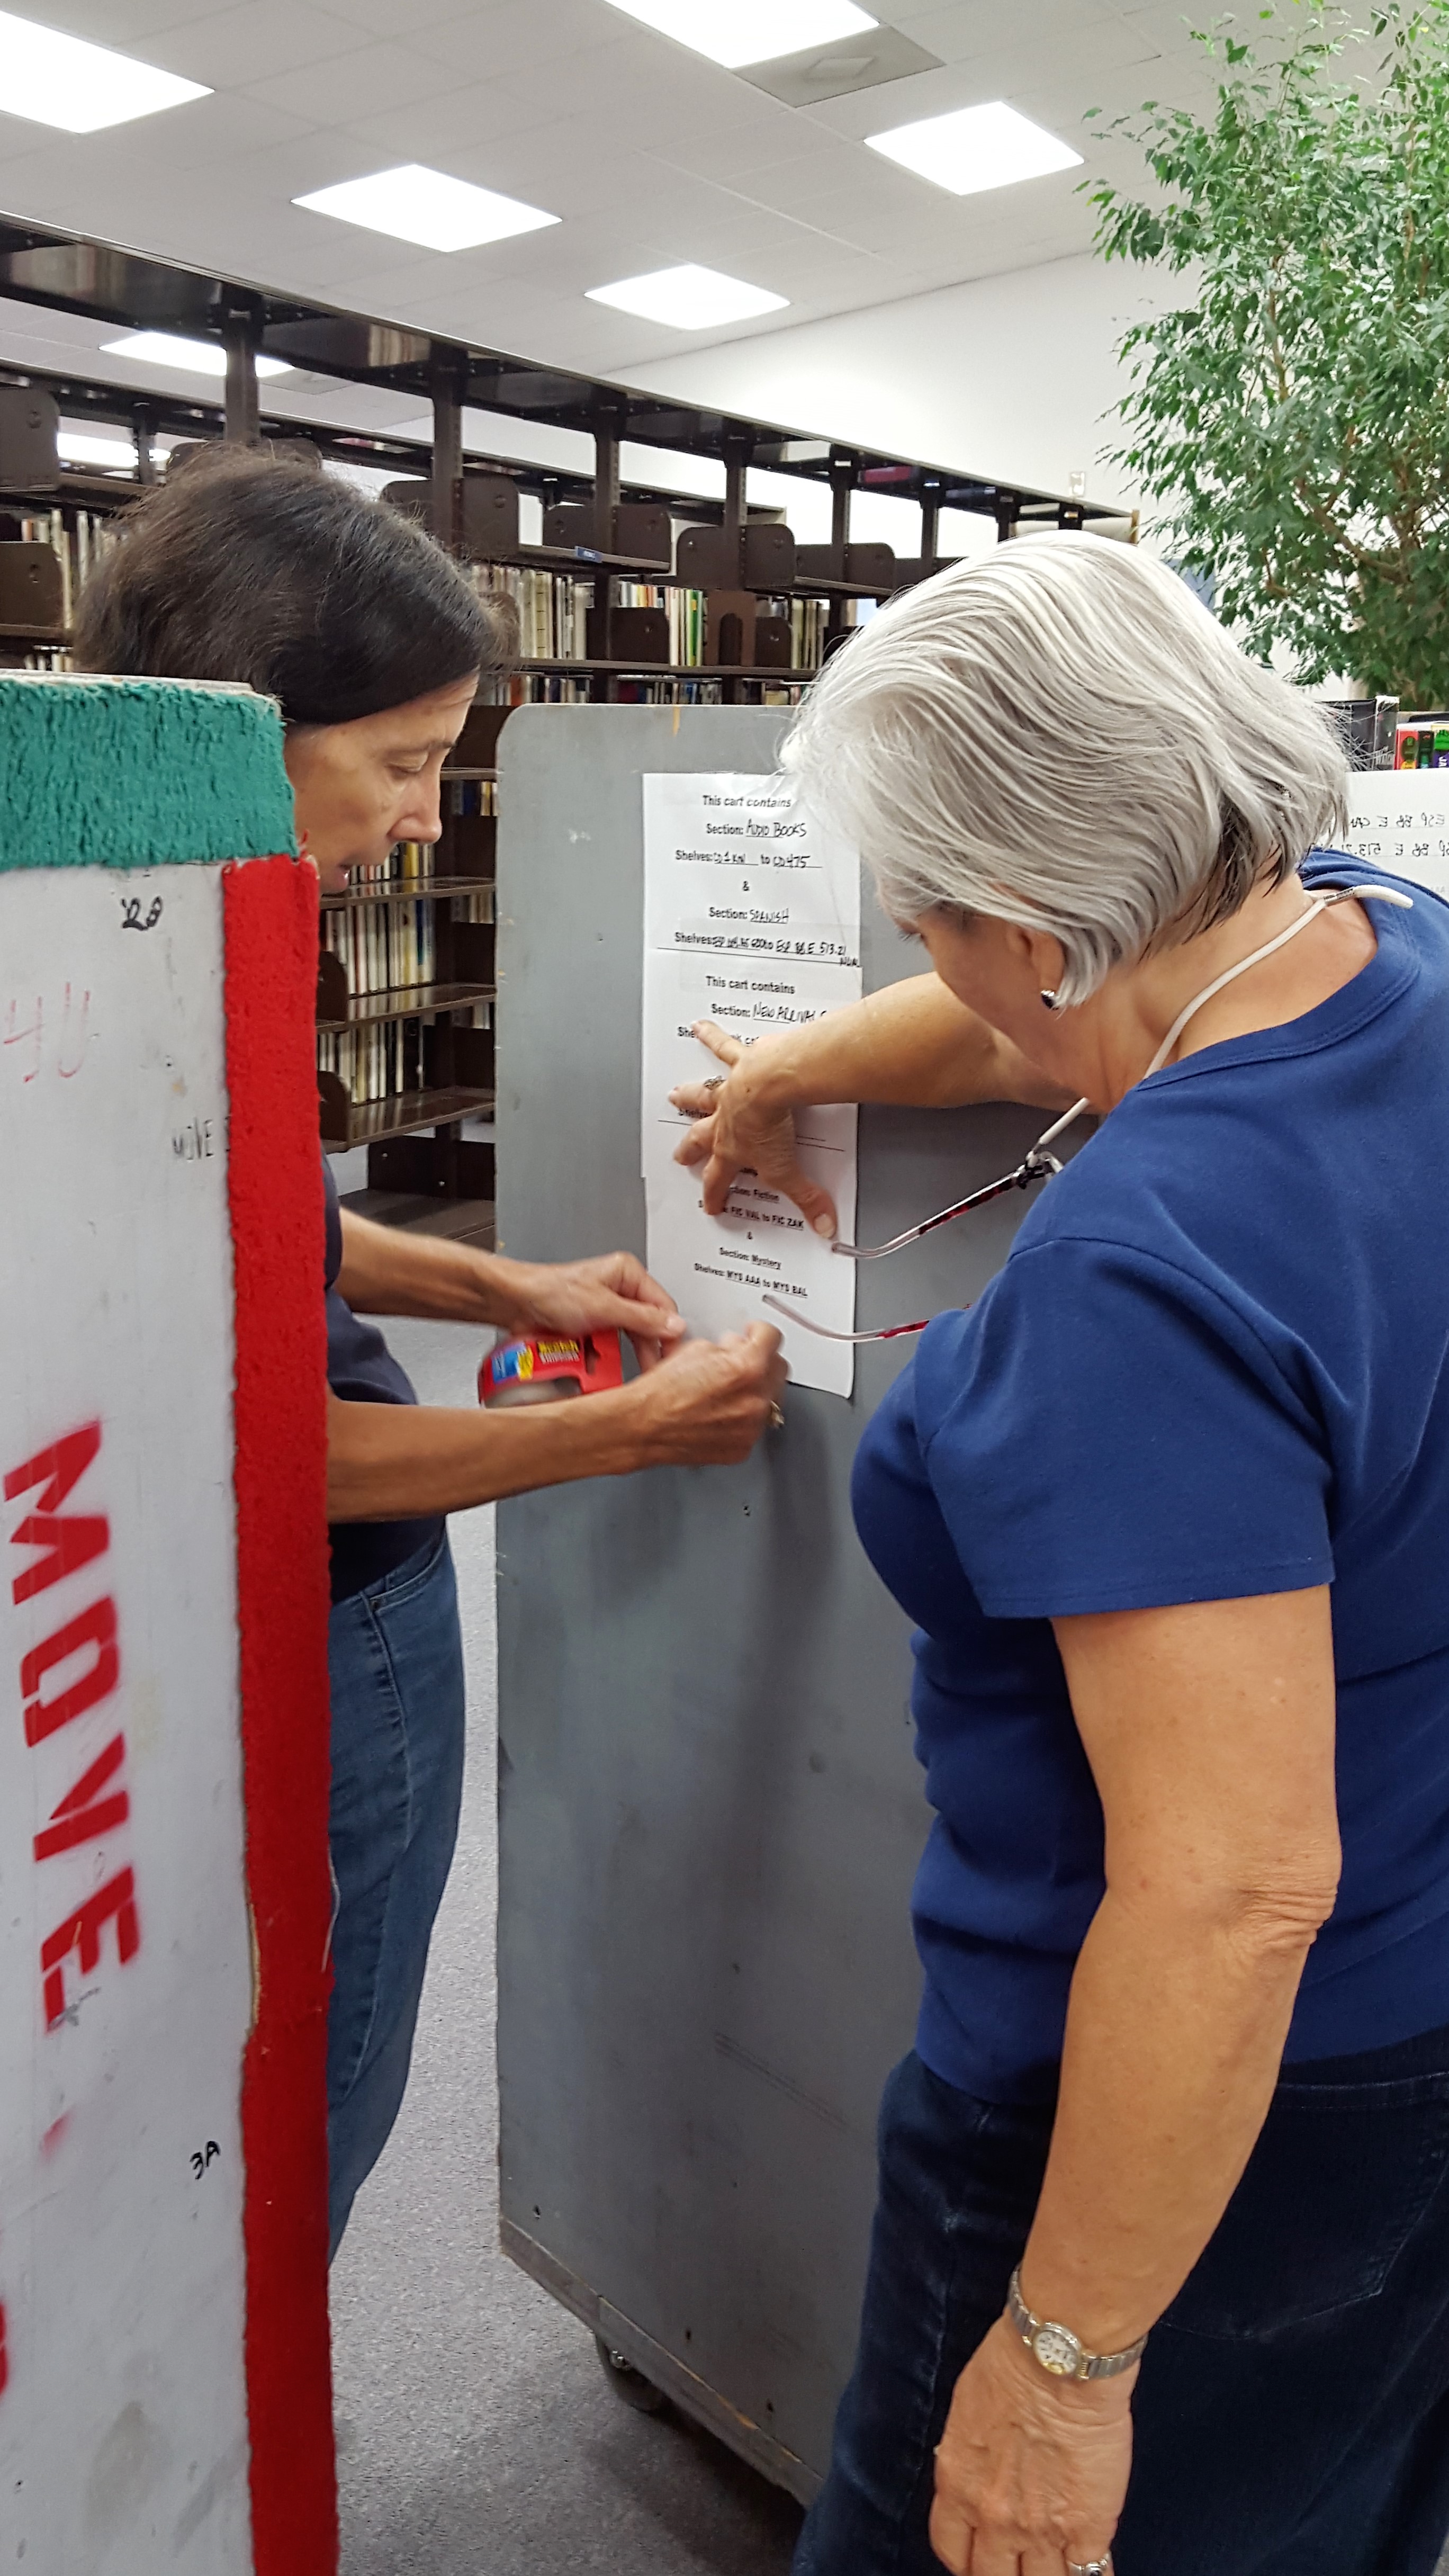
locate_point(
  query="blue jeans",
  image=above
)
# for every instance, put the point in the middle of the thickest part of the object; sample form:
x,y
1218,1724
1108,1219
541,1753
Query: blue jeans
x,y
1292,2414
395,1655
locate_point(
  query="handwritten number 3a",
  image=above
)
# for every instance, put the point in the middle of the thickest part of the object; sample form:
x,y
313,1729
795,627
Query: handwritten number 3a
x,y
199,2162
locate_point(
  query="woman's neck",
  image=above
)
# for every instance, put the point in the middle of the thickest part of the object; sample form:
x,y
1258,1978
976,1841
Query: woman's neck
x,y
1124,1024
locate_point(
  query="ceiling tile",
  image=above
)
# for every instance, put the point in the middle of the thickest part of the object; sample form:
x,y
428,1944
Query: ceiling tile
x,y
648,152
221,132
259,39
384,17
364,82
972,27
121,23
449,131
521,35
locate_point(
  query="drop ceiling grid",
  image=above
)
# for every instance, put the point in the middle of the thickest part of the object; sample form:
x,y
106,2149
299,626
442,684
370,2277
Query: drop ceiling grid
x,y
649,153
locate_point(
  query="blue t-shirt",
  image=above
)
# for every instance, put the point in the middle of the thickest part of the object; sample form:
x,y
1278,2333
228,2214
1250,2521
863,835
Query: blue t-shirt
x,y
1213,1365
362,1370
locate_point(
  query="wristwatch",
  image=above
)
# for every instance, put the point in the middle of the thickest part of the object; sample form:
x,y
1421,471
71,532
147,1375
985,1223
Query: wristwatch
x,y
1058,2349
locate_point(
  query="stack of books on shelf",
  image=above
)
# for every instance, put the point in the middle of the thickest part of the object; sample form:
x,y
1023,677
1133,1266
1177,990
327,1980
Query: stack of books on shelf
x,y
464,796
807,628
388,944
80,547
686,620
375,1063
552,609
553,621
534,689
384,938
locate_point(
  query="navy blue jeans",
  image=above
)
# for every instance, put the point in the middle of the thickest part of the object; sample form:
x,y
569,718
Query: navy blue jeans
x,y
1292,2414
396,1661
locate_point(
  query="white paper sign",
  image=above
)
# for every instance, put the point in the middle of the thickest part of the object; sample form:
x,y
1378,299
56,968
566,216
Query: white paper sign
x,y
1398,819
752,919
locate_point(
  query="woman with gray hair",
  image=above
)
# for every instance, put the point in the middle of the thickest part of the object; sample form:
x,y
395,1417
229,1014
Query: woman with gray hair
x,y
1161,2256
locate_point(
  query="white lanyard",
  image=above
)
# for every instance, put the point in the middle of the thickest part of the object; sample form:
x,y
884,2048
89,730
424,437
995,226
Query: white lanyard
x,y
1040,1164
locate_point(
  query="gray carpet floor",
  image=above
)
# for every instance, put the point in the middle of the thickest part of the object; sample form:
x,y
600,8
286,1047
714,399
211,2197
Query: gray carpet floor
x,y
476,2433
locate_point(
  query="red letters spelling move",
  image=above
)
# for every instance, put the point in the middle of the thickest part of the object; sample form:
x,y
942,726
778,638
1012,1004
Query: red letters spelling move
x,y
99,1803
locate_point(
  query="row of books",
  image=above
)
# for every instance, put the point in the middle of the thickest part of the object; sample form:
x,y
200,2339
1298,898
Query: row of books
x,y
384,1061
44,657
391,945
553,612
468,796
81,542
462,798
374,1063
385,946
552,608
555,689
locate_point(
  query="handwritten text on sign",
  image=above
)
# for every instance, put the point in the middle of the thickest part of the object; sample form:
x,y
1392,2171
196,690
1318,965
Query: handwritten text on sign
x,y
752,920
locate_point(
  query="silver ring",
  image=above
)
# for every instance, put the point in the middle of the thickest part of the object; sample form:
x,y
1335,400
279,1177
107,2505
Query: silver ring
x,y
716,1082
777,1423
1090,2566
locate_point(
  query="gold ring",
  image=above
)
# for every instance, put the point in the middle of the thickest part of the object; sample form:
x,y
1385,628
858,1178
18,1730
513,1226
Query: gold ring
x,y
777,1417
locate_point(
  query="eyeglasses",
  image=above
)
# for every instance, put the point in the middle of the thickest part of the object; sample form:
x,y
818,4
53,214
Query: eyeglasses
x,y
1038,1165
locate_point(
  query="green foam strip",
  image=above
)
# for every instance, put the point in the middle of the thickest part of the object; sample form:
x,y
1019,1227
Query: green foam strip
x,y
138,773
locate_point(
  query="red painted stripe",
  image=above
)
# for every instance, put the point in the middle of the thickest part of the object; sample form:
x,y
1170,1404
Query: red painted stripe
x,y
275,1184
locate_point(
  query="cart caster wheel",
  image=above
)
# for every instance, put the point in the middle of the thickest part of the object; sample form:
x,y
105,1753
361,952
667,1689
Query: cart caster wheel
x,y
627,2382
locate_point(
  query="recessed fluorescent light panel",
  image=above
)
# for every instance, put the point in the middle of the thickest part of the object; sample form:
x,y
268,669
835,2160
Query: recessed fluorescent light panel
x,y
416,204
733,32
688,298
60,80
116,455
976,148
192,357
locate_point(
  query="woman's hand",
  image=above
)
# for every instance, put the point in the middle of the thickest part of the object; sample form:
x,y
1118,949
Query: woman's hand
x,y
708,1406
738,1129
1031,2473
613,1293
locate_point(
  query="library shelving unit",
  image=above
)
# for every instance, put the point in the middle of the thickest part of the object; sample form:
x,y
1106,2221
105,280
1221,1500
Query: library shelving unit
x,y
635,595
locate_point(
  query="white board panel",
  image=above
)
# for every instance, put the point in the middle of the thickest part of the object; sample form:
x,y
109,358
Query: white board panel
x,y
123,2421
1398,819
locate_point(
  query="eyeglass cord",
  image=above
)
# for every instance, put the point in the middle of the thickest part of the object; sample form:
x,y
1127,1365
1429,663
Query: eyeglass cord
x,y
1040,1164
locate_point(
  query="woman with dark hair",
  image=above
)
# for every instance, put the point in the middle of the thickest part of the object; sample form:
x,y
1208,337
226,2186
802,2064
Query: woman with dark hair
x,y
373,642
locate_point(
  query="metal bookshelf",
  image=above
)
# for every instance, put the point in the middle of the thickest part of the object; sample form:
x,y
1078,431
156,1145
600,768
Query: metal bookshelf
x,y
422,1168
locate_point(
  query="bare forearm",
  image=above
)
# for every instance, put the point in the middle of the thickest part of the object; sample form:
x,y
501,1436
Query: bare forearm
x,y
406,1462
705,1405
388,1272
1174,2038
912,1044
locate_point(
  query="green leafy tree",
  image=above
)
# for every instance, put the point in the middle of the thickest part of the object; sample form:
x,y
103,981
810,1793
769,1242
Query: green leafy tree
x,y
1291,420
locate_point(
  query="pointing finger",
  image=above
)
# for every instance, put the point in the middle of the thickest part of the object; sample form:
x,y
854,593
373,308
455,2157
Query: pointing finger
x,y
718,1040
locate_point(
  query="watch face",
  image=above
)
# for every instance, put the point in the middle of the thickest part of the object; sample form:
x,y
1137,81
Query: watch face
x,y
1057,2351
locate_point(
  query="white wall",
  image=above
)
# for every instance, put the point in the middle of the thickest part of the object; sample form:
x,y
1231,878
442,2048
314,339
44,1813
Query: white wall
x,y
1008,377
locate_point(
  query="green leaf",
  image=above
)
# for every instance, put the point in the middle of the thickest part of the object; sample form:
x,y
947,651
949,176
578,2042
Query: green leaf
x,y
1289,419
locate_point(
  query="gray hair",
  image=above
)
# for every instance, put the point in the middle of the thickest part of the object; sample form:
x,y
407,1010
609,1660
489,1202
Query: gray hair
x,y
1062,735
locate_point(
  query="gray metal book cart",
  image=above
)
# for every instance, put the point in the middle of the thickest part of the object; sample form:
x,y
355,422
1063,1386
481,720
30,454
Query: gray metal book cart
x,y
710,1809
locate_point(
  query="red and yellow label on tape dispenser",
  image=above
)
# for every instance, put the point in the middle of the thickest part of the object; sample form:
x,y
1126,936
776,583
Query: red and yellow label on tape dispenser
x,y
524,1371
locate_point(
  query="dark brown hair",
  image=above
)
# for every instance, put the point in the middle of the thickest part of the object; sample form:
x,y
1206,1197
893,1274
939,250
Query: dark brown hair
x,y
247,567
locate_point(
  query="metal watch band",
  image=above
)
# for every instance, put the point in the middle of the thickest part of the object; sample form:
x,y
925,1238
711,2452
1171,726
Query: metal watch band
x,y
1058,2350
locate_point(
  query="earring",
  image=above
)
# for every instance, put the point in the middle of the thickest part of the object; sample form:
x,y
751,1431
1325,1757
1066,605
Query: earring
x,y
1050,1002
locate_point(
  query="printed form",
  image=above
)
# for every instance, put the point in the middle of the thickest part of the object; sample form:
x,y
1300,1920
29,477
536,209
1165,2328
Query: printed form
x,y
1398,819
751,919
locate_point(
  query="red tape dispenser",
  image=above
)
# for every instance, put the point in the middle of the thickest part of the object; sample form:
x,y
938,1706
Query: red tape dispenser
x,y
545,1372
